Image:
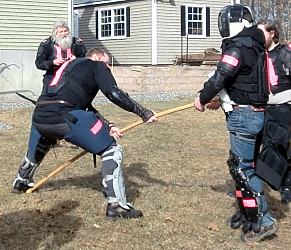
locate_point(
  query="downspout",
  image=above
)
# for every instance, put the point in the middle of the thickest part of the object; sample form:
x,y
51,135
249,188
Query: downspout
x,y
154,33
70,14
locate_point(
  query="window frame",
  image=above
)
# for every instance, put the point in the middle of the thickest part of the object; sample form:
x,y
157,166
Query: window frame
x,y
112,23
76,22
203,21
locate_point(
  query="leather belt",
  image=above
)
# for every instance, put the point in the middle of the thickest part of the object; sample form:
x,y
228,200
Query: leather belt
x,y
47,102
252,107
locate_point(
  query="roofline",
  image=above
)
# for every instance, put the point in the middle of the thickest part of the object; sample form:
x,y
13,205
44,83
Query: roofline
x,y
97,3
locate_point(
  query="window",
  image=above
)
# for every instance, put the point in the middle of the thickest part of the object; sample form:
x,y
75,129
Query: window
x,y
195,21
112,23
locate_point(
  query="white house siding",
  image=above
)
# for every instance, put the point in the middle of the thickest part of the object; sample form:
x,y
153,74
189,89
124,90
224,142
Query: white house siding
x,y
23,24
170,44
135,49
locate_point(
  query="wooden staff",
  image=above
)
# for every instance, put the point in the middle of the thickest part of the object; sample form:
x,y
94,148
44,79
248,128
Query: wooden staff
x,y
128,127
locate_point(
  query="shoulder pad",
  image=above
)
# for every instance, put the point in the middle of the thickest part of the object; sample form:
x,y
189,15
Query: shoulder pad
x,y
45,41
78,40
285,57
285,50
246,41
238,44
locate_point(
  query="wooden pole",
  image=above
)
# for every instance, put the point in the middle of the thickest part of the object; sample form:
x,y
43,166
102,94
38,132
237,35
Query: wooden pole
x,y
76,157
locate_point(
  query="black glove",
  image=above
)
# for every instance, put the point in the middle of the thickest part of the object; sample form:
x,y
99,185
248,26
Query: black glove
x,y
142,112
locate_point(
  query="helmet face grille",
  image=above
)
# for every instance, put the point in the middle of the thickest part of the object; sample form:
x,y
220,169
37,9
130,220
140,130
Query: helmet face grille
x,y
235,14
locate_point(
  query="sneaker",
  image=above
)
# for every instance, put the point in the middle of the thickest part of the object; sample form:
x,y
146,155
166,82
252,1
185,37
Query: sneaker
x,y
251,236
285,195
114,211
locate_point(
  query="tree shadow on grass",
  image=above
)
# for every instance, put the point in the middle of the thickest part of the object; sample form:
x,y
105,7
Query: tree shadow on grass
x,y
34,229
136,171
277,208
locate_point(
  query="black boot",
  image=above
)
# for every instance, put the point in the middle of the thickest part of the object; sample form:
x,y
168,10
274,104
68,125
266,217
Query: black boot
x,y
21,185
285,190
236,220
115,211
265,231
285,195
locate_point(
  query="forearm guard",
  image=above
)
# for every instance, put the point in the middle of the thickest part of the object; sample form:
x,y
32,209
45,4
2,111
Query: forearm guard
x,y
142,112
121,99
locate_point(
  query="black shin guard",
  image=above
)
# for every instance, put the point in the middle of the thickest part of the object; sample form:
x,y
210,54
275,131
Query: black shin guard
x,y
29,166
249,202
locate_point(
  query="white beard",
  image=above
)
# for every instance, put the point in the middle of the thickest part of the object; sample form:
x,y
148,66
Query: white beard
x,y
65,42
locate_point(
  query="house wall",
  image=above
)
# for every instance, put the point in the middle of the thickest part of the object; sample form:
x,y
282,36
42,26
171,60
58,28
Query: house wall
x,y
171,45
135,49
24,24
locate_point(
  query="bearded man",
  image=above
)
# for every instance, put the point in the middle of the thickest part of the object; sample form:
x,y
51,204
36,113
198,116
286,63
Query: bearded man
x,y
53,51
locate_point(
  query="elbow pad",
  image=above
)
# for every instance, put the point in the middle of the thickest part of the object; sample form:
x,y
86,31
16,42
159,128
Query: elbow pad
x,y
122,100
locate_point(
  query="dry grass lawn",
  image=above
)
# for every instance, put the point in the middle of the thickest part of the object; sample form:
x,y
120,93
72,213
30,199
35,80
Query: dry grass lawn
x,y
175,172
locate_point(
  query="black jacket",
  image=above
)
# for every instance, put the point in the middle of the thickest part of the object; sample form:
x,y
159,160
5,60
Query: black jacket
x,y
78,84
240,56
46,54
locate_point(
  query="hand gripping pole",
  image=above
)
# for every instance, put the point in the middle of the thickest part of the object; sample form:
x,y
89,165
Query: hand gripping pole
x,y
76,157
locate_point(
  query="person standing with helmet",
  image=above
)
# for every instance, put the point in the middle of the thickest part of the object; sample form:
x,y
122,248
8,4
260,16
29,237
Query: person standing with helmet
x,y
241,73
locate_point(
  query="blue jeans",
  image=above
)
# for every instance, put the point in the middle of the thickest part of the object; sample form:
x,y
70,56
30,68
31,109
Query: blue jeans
x,y
244,125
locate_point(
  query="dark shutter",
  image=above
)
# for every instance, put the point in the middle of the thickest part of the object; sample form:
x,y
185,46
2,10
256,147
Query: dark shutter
x,y
97,24
183,21
127,21
207,21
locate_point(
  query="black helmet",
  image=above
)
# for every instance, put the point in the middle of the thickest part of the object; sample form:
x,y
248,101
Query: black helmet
x,y
233,18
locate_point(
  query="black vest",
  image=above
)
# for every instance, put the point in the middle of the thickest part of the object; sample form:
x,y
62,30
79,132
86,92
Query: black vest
x,y
77,83
249,86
